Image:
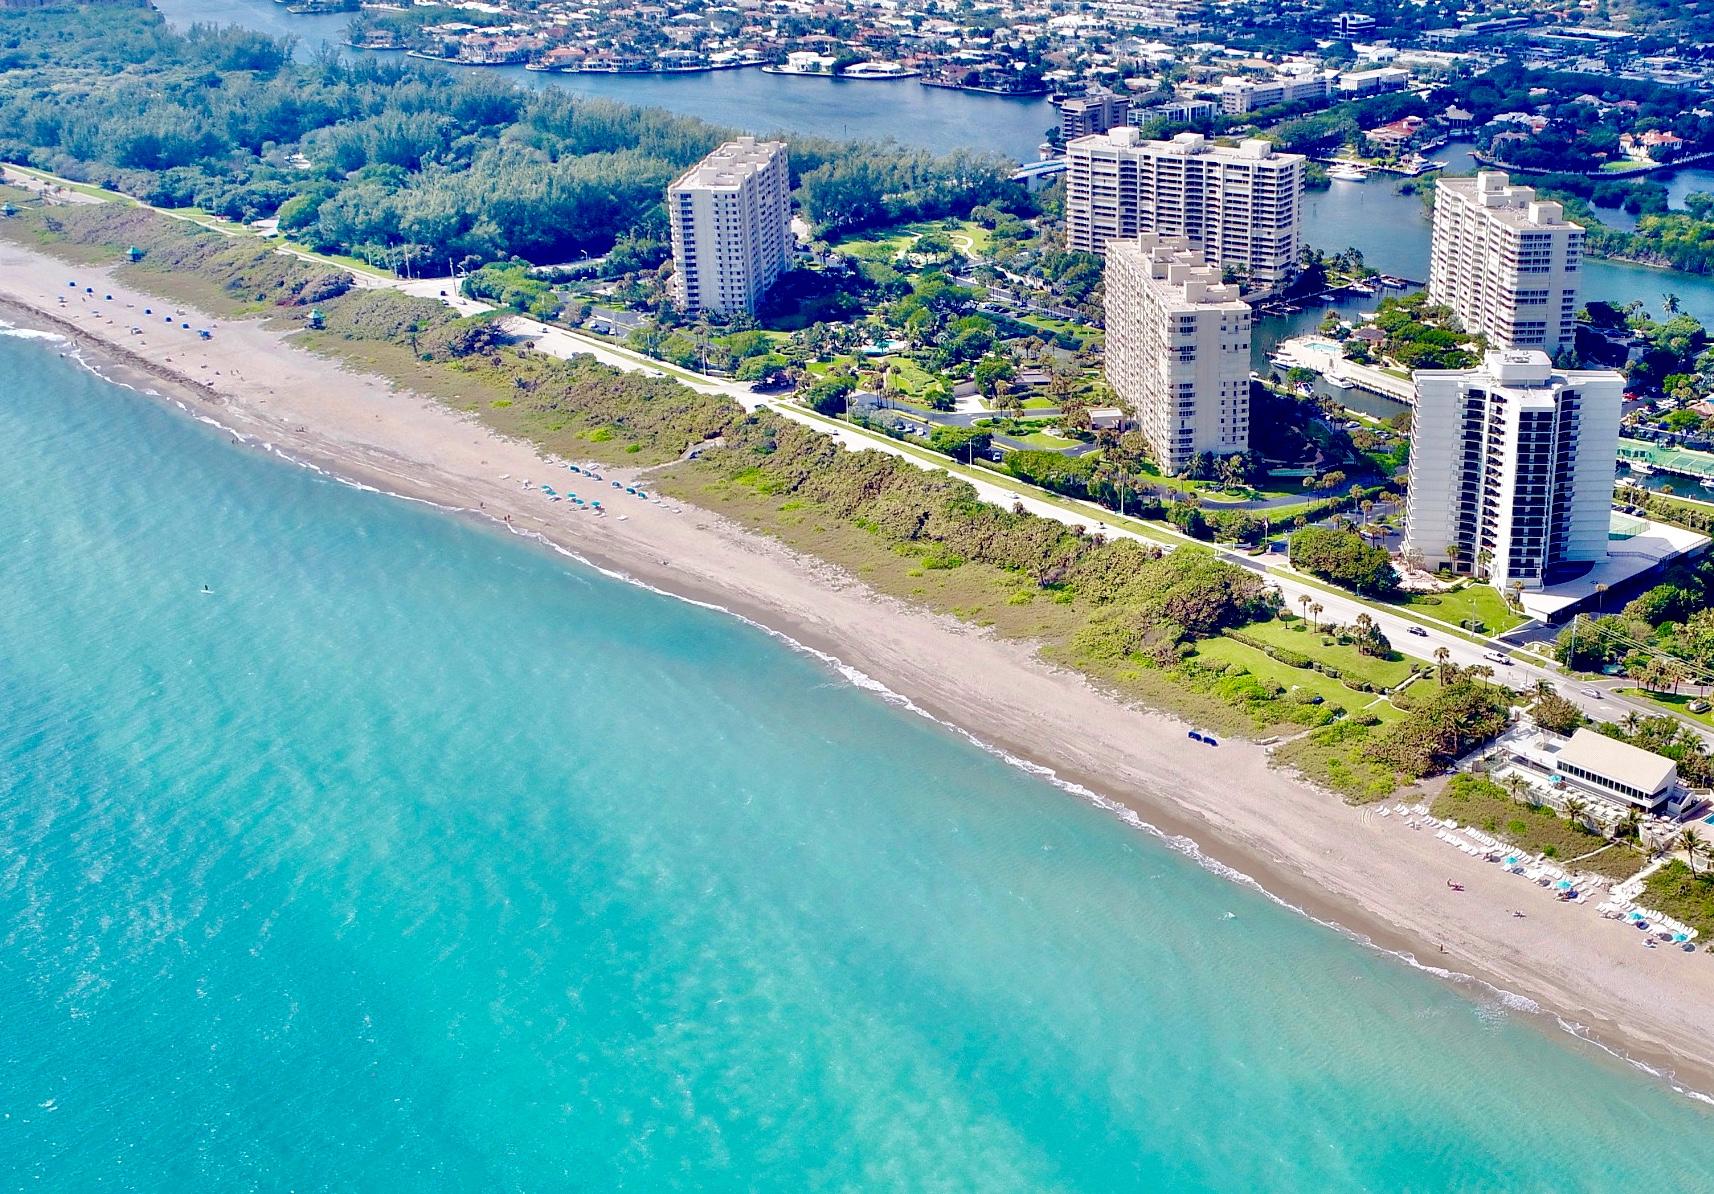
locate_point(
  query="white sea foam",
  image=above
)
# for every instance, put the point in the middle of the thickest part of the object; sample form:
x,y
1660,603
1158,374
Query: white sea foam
x,y
18,333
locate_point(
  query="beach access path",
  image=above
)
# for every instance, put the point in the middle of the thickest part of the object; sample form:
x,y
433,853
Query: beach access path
x,y
1344,865
1463,648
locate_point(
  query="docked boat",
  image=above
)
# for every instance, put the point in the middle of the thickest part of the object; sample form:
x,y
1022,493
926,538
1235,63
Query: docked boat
x,y
1347,172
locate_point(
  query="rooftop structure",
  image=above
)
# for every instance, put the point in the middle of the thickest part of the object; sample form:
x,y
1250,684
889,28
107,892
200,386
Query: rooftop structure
x,y
1611,770
1511,469
1178,349
1242,204
731,226
1083,115
1238,96
1507,263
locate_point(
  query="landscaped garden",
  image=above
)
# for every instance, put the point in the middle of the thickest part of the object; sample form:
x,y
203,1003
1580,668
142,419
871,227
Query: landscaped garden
x,y
1534,828
1478,602
1682,894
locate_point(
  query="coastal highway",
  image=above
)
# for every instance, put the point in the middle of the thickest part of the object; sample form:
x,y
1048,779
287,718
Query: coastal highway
x,y
1463,649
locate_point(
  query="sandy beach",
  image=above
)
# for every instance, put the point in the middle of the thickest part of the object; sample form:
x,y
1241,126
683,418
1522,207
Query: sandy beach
x,y
1370,875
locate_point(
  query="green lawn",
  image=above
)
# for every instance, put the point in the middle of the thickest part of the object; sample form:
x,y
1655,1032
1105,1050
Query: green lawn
x,y
1294,634
910,378
971,238
822,368
1041,439
1477,600
1475,800
1682,896
1671,703
883,248
884,244
1079,331
1211,493
1271,671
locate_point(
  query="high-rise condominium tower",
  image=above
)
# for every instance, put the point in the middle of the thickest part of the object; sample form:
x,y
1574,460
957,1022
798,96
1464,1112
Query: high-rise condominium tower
x,y
1507,263
1511,468
1178,349
731,226
1242,205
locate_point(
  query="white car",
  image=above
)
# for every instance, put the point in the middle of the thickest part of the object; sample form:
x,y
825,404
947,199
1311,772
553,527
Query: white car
x,y
1593,692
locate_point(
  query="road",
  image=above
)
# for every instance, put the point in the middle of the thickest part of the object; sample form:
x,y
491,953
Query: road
x,y
1462,649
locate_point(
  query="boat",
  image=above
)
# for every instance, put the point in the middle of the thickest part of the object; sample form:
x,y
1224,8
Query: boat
x,y
1347,172
878,71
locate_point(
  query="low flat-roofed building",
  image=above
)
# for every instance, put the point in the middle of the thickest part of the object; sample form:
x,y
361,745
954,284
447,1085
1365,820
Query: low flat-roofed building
x,y
1618,771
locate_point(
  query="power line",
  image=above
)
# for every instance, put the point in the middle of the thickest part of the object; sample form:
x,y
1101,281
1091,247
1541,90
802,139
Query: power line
x,y
1698,674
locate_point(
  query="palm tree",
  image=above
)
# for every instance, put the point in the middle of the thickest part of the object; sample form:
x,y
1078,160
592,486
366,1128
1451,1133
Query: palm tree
x,y
1632,825
1443,658
1303,600
1669,303
1691,843
1575,809
1651,675
1315,612
1514,784
1632,721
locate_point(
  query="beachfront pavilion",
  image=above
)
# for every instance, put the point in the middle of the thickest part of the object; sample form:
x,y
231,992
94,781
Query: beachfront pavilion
x,y
1592,766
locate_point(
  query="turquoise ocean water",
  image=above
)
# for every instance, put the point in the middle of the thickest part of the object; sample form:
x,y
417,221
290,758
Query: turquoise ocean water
x,y
413,858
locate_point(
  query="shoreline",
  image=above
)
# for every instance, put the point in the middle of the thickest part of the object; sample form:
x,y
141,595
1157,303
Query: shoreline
x,y
1342,866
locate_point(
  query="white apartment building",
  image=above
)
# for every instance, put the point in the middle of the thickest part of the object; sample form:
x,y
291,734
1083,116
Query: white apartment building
x,y
1354,83
1243,204
1507,263
731,226
1083,115
1238,96
1511,468
1178,349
